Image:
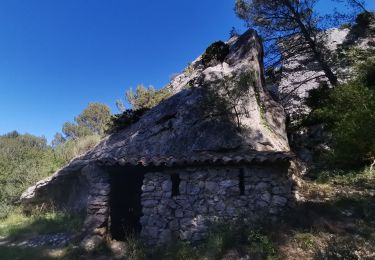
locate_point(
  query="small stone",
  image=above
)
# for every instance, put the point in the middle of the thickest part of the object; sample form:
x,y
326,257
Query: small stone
x,y
278,200
90,242
261,204
165,236
174,225
179,213
278,190
220,206
262,186
228,183
193,189
211,186
148,188
182,187
143,220
166,186
150,232
150,203
266,197
230,211
186,235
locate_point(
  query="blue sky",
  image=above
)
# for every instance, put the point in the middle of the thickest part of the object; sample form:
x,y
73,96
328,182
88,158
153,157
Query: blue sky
x,y
57,56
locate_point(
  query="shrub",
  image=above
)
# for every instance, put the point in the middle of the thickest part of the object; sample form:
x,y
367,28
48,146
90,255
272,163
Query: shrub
x,y
338,249
24,160
146,97
216,52
93,120
348,113
128,117
364,19
75,147
223,238
142,100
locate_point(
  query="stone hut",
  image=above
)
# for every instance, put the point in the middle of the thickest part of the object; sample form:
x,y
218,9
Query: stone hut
x,y
185,163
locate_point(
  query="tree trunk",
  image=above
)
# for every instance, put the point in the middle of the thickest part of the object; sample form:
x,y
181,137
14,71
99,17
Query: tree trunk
x,y
312,44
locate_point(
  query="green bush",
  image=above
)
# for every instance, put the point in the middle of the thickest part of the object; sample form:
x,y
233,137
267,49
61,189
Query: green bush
x,y
27,159
141,101
24,160
128,117
216,52
93,120
75,147
348,113
364,19
223,238
146,97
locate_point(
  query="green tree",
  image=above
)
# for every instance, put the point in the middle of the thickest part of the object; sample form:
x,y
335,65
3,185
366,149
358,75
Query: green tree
x,y
348,112
24,160
92,121
291,24
144,97
58,140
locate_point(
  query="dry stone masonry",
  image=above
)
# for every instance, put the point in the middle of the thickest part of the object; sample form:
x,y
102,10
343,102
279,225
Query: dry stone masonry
x,y
209,195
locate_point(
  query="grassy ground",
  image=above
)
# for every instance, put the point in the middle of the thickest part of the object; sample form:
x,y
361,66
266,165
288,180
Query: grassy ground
x,y
18,226
334,220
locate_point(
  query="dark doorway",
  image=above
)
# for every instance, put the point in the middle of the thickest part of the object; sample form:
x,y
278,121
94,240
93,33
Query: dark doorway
x,y
125,202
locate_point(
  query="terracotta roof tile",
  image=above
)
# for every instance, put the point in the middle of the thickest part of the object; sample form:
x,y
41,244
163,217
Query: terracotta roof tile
x,y
199,159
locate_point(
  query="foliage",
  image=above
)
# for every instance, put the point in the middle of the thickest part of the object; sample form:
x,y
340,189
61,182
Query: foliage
x,y
24,160
135,249
364,19
142,100
75,147
20,226
280,21
145,97
351,57
338,249
92,121
221,239
215,53
58,140
354,178
128,117
348,112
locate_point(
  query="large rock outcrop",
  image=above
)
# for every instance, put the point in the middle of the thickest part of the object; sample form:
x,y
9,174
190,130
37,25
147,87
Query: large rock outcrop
x,y
300,74
220,113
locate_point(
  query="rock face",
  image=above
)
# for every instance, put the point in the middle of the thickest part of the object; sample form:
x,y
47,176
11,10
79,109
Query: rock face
x,y
182,126
221,134
300,75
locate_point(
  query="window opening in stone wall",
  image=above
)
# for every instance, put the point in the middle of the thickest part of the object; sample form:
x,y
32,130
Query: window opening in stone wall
x,y
175,178
241,182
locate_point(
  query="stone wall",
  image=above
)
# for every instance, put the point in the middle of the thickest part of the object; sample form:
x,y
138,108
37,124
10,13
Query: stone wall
x,y
208,195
